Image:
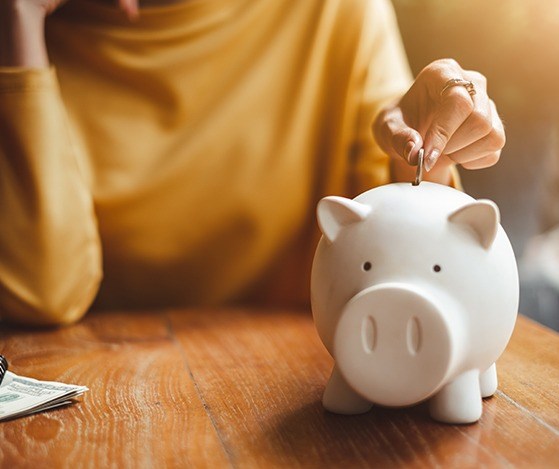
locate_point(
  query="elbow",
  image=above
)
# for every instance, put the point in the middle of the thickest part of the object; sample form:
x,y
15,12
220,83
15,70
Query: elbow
x,y
67,308
50,305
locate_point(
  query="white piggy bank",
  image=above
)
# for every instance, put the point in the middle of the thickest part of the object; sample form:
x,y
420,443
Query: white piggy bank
x,y
414,293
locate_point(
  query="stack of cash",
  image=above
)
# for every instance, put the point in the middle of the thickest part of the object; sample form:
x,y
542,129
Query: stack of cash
x,y
21,396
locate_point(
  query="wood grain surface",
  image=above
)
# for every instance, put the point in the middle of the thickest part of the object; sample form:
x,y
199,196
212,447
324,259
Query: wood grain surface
x,y
242,388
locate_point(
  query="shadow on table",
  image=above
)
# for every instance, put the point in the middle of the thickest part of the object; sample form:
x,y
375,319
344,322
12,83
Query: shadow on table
x,y
382,437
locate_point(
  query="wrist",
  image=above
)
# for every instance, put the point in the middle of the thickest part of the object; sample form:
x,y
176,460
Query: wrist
x,y
22,42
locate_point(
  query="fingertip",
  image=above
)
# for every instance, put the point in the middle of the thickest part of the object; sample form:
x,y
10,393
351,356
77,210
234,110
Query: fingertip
x,y
431,159
130,9
133,13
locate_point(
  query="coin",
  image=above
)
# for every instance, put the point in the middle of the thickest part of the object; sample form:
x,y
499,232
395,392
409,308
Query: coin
x,y
419,172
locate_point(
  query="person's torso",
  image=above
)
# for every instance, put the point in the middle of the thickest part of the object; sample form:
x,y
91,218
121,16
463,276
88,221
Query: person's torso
x,y
209,130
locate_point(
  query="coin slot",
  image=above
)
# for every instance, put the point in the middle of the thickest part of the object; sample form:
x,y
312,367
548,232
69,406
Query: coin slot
x,y
369,334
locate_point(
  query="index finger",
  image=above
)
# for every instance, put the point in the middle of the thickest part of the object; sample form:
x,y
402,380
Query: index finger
x,y
455,107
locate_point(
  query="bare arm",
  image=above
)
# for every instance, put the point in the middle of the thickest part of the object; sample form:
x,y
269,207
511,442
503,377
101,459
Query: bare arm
x,y
22,42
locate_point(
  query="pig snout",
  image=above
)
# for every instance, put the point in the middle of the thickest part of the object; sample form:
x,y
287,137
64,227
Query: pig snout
x,y
393,344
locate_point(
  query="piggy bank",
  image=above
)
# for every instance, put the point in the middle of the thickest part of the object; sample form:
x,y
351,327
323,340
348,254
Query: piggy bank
x,y
414,293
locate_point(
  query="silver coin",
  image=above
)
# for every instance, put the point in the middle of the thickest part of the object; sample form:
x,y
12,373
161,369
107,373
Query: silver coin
x,y
419,171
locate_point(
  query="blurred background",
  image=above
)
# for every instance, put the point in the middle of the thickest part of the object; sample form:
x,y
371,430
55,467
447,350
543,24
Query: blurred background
x,y
515,44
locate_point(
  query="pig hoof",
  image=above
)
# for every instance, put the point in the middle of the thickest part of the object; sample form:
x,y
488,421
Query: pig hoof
x,y
488,381
339,398
460,413
459,401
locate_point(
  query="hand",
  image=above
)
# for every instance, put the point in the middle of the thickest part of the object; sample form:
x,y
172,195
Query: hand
x,y
452,128
46,7
13,11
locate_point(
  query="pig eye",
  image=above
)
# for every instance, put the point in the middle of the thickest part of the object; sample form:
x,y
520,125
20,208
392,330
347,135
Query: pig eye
x,y
367,266
437,268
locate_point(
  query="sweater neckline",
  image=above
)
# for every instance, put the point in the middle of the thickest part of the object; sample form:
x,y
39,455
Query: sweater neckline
x,y
186,14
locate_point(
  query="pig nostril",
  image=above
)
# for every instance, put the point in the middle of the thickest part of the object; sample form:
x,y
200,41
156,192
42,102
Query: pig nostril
x,y
413,335
369,334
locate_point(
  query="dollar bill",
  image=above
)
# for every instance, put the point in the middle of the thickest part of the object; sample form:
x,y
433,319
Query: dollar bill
x,y
21,396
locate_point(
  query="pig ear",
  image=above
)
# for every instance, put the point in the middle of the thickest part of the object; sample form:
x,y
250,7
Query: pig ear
x,y
335,213
482,217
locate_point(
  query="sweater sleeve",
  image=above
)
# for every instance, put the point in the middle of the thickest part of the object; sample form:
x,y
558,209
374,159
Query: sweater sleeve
x,y
50,256
385,76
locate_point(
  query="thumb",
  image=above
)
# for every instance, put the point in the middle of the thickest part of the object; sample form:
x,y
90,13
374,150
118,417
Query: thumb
x,y
396,138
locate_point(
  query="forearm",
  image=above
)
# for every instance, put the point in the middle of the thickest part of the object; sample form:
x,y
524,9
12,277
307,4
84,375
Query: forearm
x,y
22,42
50,253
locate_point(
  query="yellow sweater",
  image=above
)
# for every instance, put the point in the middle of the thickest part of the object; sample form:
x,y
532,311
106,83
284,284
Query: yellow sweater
x,y
180,158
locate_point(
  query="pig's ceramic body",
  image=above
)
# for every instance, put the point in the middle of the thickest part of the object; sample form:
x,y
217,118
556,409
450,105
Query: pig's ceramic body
x,y
415,294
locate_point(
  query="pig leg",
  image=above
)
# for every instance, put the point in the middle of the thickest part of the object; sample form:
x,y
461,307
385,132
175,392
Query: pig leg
x,y
341,399
488,381
458,401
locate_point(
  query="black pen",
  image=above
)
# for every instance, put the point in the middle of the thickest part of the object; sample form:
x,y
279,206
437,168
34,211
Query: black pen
x,y
3,367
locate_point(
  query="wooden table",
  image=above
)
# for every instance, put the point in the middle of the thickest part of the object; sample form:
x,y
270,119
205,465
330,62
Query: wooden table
x,y
242,388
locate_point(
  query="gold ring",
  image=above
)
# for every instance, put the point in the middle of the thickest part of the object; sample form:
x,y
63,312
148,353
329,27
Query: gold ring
x,y
459,82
